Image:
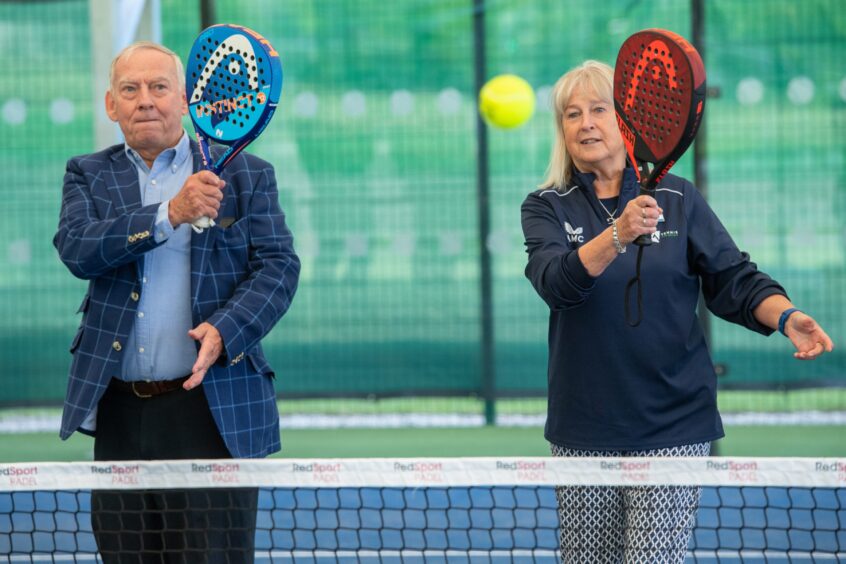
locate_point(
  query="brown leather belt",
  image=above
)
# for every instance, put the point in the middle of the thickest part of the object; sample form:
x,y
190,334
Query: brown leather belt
x,y
144,389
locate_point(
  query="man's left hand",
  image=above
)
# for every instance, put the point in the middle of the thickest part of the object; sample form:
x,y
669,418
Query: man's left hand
x,y
211,345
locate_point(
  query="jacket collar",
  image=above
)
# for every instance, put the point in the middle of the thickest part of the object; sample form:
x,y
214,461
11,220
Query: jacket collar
x,y
196,155
629,185
629,190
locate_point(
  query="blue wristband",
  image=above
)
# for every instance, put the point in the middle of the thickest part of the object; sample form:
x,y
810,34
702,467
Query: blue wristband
x,y
783,319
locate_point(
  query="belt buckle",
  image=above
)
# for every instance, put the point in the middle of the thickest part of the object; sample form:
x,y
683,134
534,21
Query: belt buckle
x,y
138,394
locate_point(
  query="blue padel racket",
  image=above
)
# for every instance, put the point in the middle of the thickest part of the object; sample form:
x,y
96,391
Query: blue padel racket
x,y
233,79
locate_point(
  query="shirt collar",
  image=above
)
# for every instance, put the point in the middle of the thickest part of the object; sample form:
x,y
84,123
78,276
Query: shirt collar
x,y
175,155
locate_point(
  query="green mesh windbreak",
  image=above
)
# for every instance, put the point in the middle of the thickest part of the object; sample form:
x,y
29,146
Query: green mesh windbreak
x,y
375,150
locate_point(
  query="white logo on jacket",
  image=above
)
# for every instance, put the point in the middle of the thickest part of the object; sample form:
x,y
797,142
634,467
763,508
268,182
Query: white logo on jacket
x,y
574,234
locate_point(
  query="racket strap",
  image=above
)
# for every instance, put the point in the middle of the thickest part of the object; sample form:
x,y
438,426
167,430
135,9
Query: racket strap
x,y
636,283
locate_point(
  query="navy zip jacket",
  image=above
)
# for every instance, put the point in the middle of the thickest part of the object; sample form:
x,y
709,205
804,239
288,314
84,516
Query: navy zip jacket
x,y
616,387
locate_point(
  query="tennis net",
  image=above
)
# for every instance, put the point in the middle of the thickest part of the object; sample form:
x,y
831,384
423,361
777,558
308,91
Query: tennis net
x,y
439,510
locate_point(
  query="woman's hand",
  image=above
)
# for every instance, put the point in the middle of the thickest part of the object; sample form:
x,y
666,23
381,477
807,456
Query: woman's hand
x,y
807,336
639,218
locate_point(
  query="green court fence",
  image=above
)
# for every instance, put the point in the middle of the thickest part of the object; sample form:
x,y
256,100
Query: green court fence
x,y
375,149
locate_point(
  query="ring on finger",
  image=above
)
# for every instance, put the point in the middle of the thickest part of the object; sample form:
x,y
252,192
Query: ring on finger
x,y
644,221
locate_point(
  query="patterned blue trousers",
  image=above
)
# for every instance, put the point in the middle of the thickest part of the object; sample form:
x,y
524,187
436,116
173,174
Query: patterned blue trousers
x,y
627,524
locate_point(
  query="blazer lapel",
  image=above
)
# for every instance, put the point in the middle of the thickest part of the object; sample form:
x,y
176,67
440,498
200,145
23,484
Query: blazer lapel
x,y
121,183
201,244
122,187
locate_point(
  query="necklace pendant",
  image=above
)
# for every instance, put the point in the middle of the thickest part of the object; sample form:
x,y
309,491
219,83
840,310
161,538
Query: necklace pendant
x,y
610,219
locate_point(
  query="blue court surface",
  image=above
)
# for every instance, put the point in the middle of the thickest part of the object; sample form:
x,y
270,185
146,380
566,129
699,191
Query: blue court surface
x,y
498,524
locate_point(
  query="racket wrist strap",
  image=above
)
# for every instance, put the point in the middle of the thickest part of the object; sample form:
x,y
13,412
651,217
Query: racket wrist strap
x,y
785,315
619,247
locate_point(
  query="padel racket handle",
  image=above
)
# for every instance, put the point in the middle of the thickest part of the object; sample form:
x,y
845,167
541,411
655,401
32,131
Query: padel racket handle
x,y
644,240
205,222
202,223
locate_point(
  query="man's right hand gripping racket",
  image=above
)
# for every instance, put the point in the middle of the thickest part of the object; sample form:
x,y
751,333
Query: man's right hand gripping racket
x,y
659,97
233,80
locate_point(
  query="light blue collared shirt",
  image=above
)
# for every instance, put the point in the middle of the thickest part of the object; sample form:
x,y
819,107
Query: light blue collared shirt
x,y
159,347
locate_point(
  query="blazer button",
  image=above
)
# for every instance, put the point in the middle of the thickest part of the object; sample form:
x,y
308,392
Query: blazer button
x,y
116,346
134,296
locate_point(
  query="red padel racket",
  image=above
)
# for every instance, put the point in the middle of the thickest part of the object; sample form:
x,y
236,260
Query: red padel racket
x,y
659,97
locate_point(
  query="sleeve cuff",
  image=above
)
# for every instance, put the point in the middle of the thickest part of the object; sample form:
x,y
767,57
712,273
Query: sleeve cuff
x,y
234,344
163,229
754,324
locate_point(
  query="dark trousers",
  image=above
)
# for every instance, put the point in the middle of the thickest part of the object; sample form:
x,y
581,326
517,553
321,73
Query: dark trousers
x,y
169,526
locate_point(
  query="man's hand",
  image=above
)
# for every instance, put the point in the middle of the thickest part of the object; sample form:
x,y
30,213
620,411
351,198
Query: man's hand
x,y
211,345
200,196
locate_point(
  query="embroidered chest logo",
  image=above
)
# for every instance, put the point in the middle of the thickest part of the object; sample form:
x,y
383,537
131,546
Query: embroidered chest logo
x,y
574,234
656,237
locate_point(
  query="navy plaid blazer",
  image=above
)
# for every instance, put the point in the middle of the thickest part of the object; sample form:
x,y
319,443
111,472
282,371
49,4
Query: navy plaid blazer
x,y
243,279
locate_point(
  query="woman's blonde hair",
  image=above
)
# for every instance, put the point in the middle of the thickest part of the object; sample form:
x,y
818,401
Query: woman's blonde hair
x,y
591,76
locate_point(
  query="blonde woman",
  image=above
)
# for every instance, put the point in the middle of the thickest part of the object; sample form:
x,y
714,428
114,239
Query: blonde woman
x,y
617,390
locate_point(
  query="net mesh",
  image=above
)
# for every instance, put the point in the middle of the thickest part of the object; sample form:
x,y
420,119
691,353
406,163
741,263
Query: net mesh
x,y
420,510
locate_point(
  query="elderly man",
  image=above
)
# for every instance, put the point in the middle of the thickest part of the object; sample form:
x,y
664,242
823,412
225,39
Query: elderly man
x,y
167,361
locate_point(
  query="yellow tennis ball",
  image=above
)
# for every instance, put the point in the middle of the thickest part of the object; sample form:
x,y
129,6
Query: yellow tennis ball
x,y
506,101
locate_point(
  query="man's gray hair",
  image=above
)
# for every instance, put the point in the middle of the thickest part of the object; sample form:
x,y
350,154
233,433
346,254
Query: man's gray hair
x,y
139,46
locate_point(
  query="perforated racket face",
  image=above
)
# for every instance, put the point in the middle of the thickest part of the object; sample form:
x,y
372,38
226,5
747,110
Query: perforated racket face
x,y
233,79
659,94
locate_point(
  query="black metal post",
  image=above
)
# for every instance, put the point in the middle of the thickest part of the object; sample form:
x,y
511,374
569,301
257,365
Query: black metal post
x,y
700,169
207,15
700,172
483,202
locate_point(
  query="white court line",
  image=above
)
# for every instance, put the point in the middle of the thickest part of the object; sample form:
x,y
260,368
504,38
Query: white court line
x,y
42,423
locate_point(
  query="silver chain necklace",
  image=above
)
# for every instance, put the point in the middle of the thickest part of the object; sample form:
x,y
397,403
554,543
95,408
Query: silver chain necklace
x,y
610,213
